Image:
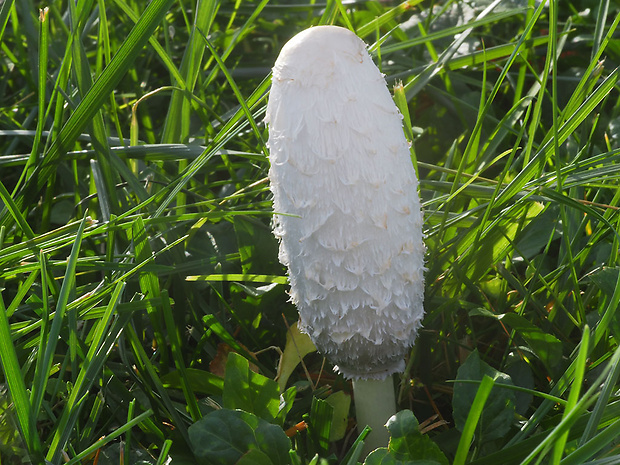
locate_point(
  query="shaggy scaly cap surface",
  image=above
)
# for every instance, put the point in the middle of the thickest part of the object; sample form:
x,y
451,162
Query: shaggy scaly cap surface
x,y
349,222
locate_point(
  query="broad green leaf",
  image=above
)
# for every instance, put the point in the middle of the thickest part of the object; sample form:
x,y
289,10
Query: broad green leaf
x,y
249,391
408,443
254,457
224,436
381,456
498,414
536,235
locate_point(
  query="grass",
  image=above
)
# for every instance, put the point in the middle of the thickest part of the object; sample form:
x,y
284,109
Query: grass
x,y
143,311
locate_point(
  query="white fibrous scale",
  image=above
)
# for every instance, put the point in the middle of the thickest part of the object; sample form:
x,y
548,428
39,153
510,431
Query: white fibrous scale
x,y
347,211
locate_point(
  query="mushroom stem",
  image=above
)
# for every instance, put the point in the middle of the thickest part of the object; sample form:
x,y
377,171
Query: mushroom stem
x,y
375,403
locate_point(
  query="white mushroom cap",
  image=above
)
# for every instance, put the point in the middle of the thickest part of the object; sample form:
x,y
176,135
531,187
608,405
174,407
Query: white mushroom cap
x,y
347,209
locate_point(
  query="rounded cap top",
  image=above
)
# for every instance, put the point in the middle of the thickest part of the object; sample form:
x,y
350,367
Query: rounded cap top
x,y
319,50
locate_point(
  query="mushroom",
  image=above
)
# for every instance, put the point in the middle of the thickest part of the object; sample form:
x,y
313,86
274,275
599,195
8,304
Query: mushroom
x,y
347,213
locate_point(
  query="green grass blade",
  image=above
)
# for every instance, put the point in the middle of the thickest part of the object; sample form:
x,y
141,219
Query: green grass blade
x,y
176,127
446,32
594,445
232,127
380,21
93,363
163,455
94,99
110,437
250,278
580,368
149,285
43,53
36,395
23,291
161,52
564,132
569,419
473,417
5,10
515,454
151,378
603,9
604,399
19,395
242,101
446,59
15,212
174,337
68,287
